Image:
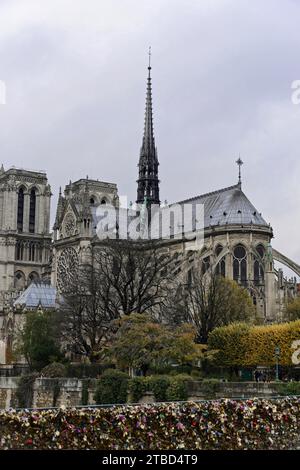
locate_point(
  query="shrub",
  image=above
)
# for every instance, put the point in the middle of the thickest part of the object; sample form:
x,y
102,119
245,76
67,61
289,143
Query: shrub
x,y
138,386
291,388
230,343
54,370
241,345
112,387
196,374
210,386
177,390
159,386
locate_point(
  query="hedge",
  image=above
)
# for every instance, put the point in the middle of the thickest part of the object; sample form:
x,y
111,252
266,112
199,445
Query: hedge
x,y
112,387
164,388
244,345
220,424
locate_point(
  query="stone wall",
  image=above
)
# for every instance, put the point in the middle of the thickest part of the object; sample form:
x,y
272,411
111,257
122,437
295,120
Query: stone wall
x,y
8,387
198,390
76,392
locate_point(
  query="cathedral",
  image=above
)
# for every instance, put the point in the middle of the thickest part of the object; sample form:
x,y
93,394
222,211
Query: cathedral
x,y
36,263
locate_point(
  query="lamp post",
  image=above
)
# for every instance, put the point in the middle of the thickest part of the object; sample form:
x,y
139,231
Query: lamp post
x,y
277,355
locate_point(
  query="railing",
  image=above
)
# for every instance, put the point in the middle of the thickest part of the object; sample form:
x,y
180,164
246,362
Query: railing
x,y
121,405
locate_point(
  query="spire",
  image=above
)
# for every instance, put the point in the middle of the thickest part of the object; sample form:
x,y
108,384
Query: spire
x,y
148,183
148,146
240,162
59,210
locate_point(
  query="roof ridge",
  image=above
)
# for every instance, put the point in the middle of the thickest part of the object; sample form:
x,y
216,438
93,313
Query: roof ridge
x,y
235,186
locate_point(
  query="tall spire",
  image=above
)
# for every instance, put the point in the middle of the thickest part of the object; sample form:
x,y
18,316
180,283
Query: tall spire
x,y
148,183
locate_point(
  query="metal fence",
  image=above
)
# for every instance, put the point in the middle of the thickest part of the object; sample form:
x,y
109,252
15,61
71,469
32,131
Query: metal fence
x,y
113,405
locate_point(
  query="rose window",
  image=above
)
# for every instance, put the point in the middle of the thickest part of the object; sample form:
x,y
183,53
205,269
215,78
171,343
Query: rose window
x,y
67,270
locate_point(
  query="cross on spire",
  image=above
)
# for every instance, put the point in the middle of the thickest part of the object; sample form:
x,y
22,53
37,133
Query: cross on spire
x,y
240,162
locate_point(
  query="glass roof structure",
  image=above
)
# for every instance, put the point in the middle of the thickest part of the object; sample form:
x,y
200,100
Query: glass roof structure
x,y
35,295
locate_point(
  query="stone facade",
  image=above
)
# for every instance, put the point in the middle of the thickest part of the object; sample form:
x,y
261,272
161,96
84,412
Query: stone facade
x,y
25,238
75,225
25,241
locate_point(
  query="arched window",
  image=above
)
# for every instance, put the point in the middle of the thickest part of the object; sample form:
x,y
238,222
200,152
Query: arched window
x,y
32,250
205,264
258,269
240,264
33,277
103,201
92,201
218,250
19,280
20,215
19,250
261,250
86,223
32,209
220,268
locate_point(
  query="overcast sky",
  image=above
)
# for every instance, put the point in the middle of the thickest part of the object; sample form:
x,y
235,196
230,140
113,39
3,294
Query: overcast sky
x,y
75,73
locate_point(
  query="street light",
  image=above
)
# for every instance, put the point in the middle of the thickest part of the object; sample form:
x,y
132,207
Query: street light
x,y
277,355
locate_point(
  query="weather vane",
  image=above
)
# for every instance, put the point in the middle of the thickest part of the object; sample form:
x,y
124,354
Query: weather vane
x,y
240,162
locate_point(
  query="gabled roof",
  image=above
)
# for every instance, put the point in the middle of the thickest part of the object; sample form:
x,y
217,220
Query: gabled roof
x,y
37,294
228,206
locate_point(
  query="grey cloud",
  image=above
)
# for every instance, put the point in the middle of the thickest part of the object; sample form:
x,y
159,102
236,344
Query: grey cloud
x,y
222,71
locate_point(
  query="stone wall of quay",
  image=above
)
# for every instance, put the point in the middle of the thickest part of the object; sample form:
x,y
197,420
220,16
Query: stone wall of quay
x,y
76,392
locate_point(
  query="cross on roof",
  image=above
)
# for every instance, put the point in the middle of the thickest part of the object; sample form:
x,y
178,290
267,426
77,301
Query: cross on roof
x,y
239,162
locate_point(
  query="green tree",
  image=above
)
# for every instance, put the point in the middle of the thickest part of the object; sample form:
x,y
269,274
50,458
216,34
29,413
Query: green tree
x,y
246,345
141,342
38,339
292,310
230,344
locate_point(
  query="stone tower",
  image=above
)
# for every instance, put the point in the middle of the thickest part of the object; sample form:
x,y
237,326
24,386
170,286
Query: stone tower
x,y
75,226
148,182
25,240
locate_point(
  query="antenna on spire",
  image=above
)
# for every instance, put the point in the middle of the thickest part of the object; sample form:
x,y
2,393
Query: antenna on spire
x,y
149,54
240,162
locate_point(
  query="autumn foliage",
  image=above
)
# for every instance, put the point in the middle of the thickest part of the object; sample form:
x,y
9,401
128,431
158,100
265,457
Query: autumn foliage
x,y
244,345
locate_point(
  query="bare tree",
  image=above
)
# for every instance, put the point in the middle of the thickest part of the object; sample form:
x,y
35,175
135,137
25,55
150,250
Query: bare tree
x,y
135,276
123,277
211,300
85,320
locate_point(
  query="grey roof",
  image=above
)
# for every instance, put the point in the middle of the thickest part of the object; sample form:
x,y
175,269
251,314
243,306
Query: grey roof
x,y
37,294
228,206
